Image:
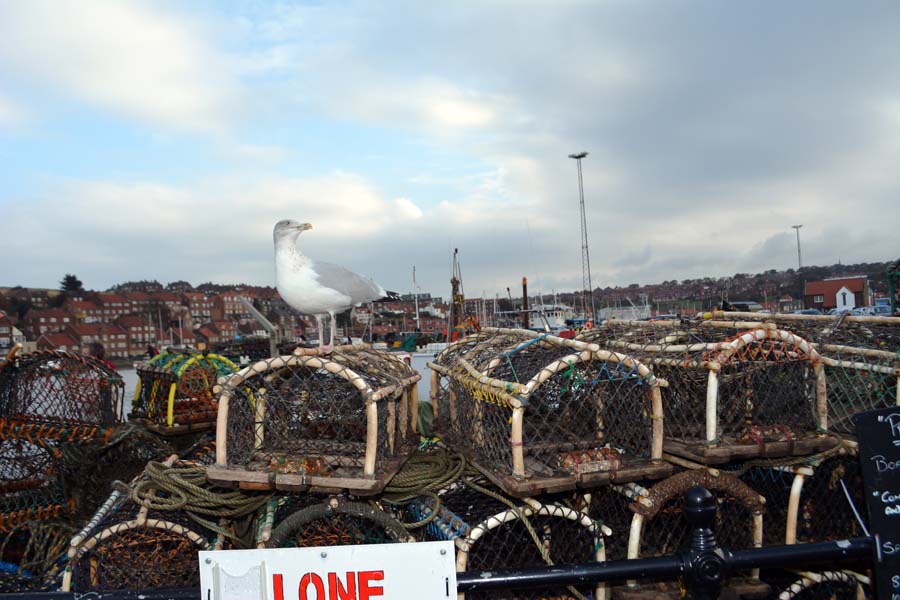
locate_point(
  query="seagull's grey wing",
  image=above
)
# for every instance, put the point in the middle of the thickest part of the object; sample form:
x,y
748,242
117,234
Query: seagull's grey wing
x,y
360,289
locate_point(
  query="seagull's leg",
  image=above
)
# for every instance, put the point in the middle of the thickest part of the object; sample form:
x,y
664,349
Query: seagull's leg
x,y
330,346
319,330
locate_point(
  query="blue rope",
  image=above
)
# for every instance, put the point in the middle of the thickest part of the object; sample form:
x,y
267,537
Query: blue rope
x,y
524,345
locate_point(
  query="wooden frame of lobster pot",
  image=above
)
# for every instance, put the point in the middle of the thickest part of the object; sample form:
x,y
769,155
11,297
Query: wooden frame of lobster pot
x,y
324,423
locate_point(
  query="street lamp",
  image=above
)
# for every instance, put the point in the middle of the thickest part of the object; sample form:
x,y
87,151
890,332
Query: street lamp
x,y
586,286
799,257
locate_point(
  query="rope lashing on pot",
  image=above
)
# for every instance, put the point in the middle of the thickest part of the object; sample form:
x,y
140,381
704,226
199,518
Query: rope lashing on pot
x,y
519,348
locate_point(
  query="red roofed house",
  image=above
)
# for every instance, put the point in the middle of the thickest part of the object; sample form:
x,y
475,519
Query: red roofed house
x,y
58,341
113,337
47,320
112,306
841,293
140,333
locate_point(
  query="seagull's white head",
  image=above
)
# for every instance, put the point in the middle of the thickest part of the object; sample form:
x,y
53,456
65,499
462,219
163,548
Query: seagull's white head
x,y
288,229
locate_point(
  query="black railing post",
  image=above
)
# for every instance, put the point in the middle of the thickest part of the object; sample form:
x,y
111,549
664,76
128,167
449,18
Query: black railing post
x,y
704,560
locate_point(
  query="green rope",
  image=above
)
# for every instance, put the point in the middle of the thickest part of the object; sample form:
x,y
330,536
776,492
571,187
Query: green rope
x,y
47,542
184,491
422,475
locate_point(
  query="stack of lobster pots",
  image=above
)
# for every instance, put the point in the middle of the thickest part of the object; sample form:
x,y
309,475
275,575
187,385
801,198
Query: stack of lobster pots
x,y
609,429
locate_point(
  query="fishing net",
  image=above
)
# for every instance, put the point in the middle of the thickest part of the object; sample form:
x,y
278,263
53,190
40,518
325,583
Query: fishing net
x,y
539,413
611,505
32,556
174,394
344,420
30,486
494,532
57,394
824,512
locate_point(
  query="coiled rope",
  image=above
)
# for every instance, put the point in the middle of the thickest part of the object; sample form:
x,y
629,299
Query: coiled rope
x,y
183,488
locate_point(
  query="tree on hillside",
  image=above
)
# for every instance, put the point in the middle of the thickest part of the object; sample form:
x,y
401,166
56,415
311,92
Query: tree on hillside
x,y
71,283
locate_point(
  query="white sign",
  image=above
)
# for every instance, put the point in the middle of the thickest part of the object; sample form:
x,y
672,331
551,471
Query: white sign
x,y
419,571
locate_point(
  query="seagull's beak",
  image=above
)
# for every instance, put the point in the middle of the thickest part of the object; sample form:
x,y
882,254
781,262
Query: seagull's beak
x,y
307,226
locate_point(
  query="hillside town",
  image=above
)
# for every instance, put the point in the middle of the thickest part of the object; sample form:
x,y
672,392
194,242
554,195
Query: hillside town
x,y
134,318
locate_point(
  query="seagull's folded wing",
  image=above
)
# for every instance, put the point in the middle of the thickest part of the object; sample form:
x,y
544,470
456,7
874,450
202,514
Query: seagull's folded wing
x,y
360,289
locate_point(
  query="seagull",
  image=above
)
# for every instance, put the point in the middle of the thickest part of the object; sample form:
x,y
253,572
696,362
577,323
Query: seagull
x,y
317,288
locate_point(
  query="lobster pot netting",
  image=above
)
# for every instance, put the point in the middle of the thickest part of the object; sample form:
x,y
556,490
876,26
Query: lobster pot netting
x,y
859,380
493,532
547,414
32,555
332,522
30,486
611,505
175,393
57,390
824,513
731,394
776,485
340,421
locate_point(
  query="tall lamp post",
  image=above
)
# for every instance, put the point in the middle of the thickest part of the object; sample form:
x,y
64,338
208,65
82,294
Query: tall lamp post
x,y
799,256
586,286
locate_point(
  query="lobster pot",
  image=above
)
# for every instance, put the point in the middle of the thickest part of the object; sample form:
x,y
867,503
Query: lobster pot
x,y
174,394
133,549
823,513
760,392
859,379
492,535
342,421
546,415
55,393
659,528
822,585
310,521
128,545
30,487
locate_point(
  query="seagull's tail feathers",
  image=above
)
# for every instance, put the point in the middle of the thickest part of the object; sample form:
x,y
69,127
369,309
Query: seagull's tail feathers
x,y
389,297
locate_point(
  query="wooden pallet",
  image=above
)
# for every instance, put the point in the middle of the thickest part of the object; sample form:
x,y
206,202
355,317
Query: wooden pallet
x,y
346,481
174,430
535,485
727,450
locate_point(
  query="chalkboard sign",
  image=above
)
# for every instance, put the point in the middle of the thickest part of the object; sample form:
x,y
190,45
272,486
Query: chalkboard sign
x,y
878,433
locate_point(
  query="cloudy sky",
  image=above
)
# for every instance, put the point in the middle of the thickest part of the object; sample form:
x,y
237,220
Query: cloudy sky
x,y
162,140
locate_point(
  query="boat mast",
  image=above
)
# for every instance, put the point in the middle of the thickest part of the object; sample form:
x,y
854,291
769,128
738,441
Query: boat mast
x,y
416,296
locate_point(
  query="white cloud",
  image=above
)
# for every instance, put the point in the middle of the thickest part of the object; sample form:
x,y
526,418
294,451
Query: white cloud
x,y
129,57
11,114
